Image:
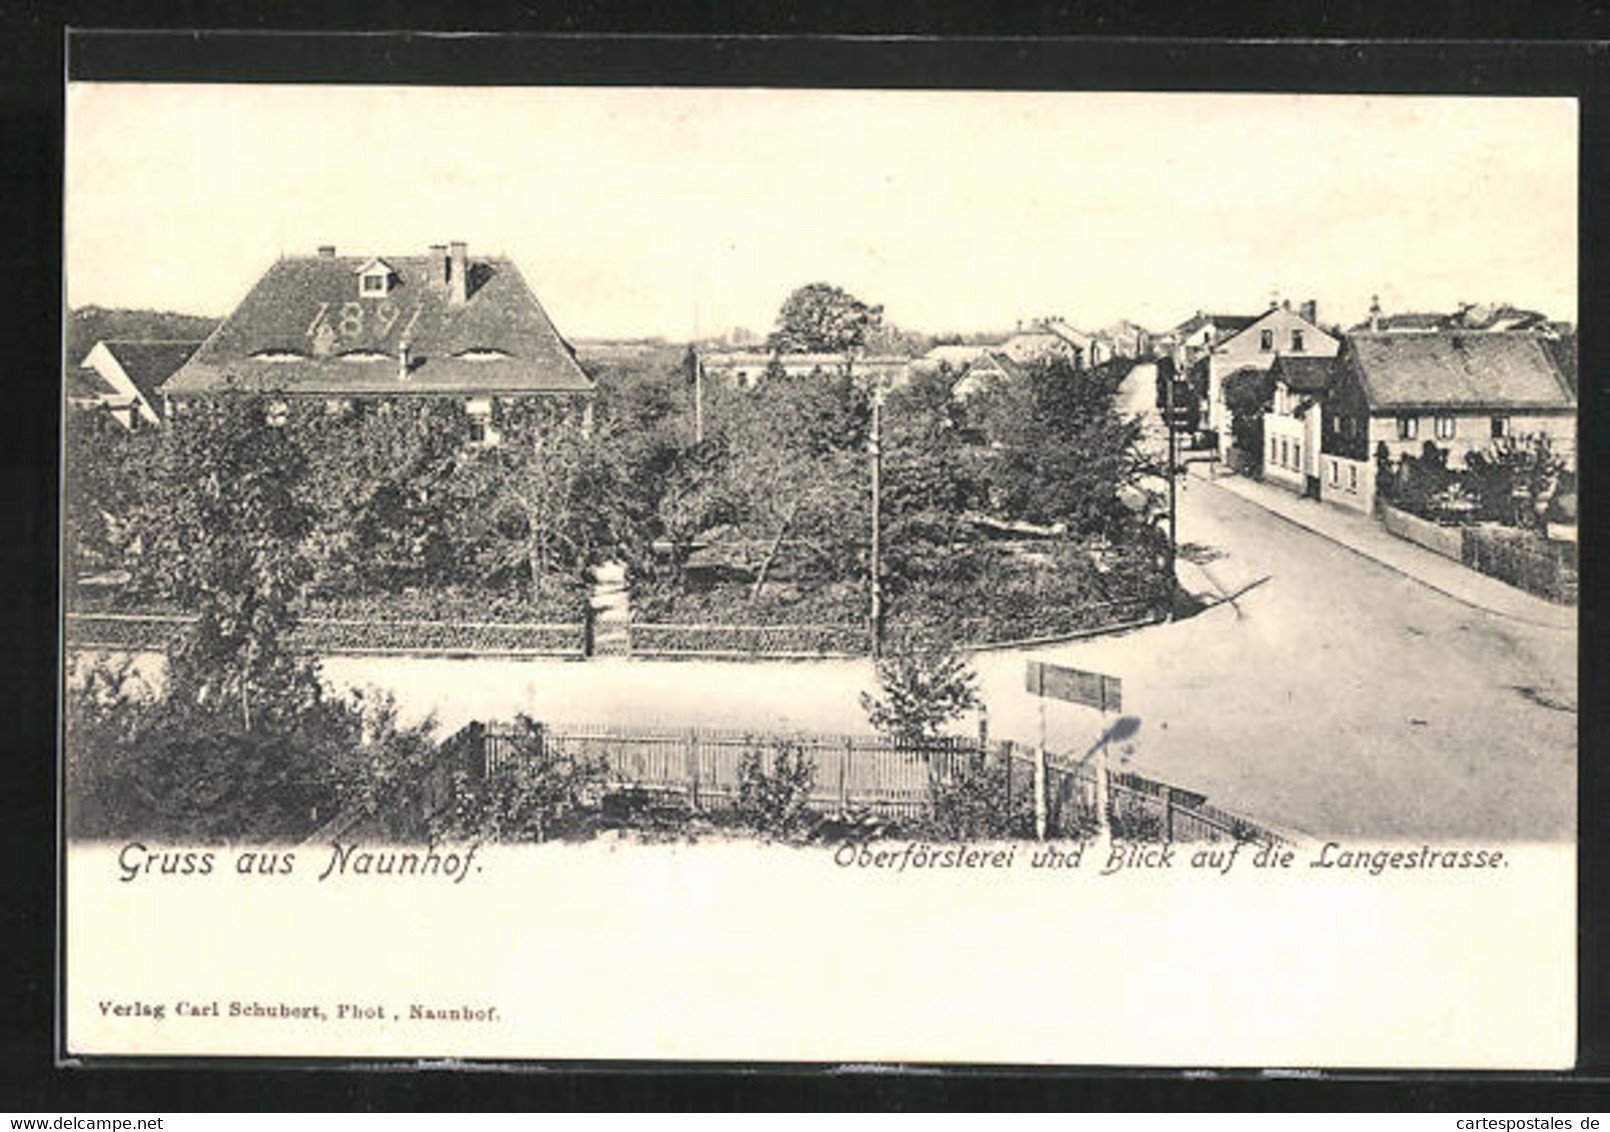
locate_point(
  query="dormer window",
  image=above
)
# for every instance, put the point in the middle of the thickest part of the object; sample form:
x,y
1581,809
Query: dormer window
x,y
278,356
374,279
483,354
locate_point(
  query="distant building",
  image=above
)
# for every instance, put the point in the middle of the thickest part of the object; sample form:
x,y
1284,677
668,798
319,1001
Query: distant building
x,y
744,369
989,368
122,378
350,329
1484,318
1127,339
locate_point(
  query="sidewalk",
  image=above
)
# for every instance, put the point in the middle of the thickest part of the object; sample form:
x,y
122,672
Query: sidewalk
x,y
1365,536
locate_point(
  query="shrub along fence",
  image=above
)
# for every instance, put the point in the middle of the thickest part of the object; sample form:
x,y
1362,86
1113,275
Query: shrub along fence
x,y
328,636
698,768
785,642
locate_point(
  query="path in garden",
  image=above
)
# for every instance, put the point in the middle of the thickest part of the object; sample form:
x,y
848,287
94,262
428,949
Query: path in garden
x,y
612,610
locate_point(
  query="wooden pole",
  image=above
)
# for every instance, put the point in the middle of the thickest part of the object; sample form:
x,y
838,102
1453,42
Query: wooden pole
x,y
875,449
1173,538
1040,805
698,398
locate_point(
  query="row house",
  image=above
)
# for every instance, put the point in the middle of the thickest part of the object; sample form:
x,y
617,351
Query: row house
x,y
1394,392
1278,332
347,330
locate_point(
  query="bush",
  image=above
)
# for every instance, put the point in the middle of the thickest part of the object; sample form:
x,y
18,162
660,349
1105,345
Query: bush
x,y
975,802
774,792
540,792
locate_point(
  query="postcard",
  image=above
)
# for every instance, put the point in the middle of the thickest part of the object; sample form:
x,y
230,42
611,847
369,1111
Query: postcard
x,y
819,576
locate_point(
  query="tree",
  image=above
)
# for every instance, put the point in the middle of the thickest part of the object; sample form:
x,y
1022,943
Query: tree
x,y
1059,452
222,534
106,471
820,317
1514,482
1249,394
796,476
551,497
931,482
387,482
920,692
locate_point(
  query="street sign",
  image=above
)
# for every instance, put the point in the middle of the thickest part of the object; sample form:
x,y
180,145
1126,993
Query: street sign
x,y
1092,689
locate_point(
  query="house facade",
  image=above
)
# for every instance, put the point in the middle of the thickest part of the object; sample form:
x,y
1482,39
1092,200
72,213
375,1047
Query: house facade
x,y
1462,391
1277,332
347,330
1292,429
122,377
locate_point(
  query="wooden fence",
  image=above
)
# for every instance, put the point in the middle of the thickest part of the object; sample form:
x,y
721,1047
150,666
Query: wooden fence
x,y
699,768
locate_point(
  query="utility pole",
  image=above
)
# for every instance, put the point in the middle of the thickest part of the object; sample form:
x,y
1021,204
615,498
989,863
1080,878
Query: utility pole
x,y
1168,401
698,396
875,450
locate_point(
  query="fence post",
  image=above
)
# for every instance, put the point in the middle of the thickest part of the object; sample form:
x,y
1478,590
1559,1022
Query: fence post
x,y
844,777
1007,753
1168,813
691,761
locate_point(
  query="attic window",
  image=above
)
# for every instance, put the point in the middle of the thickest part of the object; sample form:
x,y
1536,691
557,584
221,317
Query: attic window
x,y
364,356
373,283
278,356
483,354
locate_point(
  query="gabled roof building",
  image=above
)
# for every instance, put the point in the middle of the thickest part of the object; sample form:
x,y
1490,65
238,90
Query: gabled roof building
x,y
122,377
348,327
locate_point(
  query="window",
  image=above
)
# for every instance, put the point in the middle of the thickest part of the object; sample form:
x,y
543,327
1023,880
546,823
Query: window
x,y
1500,427
1283,453
1352,477
1296,341
1335,474
1445,428
1296,454
374,283
1273,448
1266,340
1408,428
480,414
278,413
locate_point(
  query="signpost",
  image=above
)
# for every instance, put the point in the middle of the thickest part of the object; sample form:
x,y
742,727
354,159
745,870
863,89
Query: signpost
x,y
1074,686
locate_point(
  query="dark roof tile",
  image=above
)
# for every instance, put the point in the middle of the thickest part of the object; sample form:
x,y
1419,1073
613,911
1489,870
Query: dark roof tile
x,y
1472,370
308,308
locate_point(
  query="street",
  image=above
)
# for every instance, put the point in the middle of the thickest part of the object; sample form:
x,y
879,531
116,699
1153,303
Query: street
x,y
1333,697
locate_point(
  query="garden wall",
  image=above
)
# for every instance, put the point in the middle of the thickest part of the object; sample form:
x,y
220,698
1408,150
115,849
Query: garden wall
x,y
1446,541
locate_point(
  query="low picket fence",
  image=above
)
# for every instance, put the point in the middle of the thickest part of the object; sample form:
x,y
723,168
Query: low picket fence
x,y
855,774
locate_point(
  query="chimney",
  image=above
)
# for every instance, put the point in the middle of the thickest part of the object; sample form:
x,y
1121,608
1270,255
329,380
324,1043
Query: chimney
x,y
326,251
1285,304
402,361
437,270
1375,314
458,273
1310,311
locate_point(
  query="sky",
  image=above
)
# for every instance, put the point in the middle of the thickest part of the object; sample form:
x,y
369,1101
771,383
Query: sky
x,y
648,211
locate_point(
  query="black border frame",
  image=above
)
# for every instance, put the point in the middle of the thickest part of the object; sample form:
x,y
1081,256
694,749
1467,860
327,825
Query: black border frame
x,y
33,120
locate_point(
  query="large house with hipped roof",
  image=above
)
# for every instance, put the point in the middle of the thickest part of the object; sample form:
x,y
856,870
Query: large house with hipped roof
x,y
352,330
